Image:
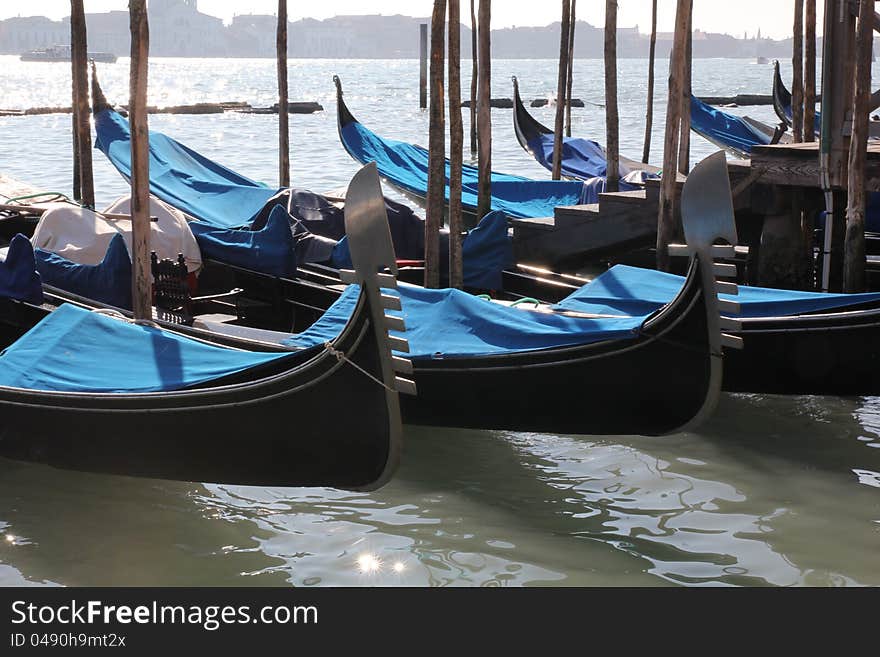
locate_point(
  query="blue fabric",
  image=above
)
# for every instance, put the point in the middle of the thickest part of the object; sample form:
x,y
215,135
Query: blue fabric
x,y
486,252
188,181
723,128
595,186
406,166
75,350
107,282
18,272
625,290
581,158
449,323
269,250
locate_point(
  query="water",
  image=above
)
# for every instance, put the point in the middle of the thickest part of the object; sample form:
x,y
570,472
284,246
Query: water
x,y
771,491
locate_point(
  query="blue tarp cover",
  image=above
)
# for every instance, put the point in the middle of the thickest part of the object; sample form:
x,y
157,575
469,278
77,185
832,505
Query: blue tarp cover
x,y
75,350
178,175
406,165
625,290
581,158
107,282
270,250
449,323
18,272
723,128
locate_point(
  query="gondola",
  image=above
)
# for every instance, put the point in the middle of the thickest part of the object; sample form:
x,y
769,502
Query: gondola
x,y
232,209
405,167
782,101
582,159
486,365
84,390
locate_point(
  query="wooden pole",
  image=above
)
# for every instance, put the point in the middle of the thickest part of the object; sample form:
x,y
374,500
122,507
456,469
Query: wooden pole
x,y
474,76
484,109
666,224
797,78
423,65
283,121
649,113
456,146
569,79
612,120
854,244
810,70
562,79
140,163
84,189
684,145
436,150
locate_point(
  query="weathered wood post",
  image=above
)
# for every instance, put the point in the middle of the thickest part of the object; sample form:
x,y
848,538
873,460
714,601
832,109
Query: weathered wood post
x,y
666,224
797,77
475,73
84,184
456,145
484,109
436,150
612,120
854,244
423,65
649,112
562,79
684,143
810,70
140,163
283,121
570,75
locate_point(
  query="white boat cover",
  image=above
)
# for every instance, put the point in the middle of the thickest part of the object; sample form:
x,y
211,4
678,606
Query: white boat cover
x,y
82,236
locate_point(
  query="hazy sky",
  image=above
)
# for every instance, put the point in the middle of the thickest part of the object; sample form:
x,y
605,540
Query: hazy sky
x,y
774,17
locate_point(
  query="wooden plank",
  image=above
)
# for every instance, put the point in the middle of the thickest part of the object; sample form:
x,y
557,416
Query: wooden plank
x,y
82,151
649,110
562,81
436,149
456,147
484,109
797,79
475,73
570,73
283,108
809,70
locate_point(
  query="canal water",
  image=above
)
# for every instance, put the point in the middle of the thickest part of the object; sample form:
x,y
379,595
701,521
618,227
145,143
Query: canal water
x,y
771,491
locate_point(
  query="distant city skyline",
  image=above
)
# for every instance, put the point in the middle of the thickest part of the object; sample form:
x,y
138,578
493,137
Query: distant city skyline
x,y
773,18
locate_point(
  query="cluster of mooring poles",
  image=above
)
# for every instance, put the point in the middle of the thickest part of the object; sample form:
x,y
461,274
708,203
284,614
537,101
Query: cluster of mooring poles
x,y
481,130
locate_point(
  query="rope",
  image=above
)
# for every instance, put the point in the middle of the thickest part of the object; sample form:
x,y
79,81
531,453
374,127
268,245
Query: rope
x,y
341,357
56,196
525,300
110,312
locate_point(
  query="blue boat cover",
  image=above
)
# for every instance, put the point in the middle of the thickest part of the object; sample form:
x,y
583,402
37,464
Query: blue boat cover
x,y
75,350
449,323
582,159
188,181
18,272
270,250
406,165
107,282
486,252
625,290
723,128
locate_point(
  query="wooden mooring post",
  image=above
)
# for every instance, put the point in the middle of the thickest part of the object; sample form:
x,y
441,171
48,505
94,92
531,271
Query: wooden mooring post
x,y
612,119
809,70
684,139
475,73
854,244
423,65
436,150
570,75
561,86
649,111
283,121
456,145
84,184
797,77
140,163
666,217
484,110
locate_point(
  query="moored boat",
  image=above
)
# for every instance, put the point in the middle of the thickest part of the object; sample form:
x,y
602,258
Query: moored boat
x,y
62,53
